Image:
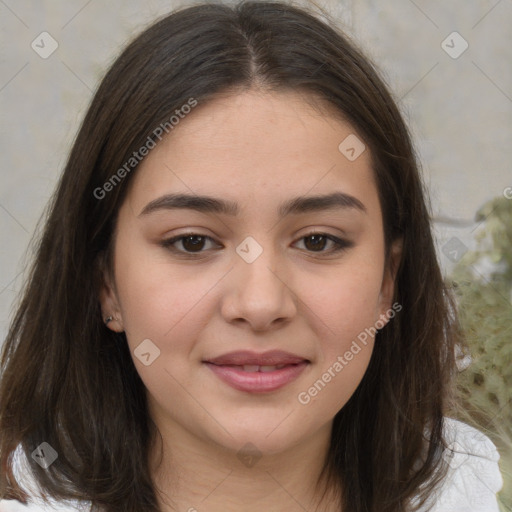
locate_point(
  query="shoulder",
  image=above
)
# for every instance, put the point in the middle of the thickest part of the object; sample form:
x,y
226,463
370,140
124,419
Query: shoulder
x,y
37,504
473,477
471,483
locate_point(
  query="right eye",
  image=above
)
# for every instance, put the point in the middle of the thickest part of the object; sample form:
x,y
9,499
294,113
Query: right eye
x,y
192,243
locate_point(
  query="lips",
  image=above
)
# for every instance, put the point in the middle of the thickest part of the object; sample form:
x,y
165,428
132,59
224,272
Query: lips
x,y
257,373
247,358
257,368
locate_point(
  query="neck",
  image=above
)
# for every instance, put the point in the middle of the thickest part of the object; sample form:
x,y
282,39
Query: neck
x,y
192,474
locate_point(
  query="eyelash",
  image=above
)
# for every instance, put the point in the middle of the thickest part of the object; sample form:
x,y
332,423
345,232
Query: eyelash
x,y
339,244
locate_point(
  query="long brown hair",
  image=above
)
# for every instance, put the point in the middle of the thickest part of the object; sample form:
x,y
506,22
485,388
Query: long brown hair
x,y
68,381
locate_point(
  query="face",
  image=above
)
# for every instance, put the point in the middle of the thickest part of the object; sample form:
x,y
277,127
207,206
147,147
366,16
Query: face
x,y
246,322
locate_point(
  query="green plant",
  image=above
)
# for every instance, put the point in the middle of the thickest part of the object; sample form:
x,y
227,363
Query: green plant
x,y
482,281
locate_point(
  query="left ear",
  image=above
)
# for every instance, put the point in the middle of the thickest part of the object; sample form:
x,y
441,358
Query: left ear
x,y
388,280
109,302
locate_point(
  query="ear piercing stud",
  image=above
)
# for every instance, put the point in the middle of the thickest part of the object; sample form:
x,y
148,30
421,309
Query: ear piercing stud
x,y
108,319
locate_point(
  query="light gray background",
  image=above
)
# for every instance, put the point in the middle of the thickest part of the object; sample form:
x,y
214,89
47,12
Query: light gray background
x,y
459,110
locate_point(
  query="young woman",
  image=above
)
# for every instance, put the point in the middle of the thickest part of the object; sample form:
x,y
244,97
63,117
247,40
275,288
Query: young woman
x,y
236,302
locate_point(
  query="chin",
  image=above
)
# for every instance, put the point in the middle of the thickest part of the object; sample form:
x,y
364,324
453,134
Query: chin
x,y
267,433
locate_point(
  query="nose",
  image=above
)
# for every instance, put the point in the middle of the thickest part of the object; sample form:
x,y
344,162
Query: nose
x,y
259,293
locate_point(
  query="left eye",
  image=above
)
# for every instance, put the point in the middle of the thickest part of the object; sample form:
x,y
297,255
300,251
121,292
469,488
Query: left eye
x,y
318,241
194,243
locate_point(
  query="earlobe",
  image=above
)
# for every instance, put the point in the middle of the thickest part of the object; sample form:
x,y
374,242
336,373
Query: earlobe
x,y
111,312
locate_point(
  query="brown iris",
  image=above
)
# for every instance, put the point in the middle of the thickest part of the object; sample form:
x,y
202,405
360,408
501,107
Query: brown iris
x,y
318,242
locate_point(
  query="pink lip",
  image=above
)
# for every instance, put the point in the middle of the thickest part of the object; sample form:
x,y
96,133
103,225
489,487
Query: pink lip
x,y
270,358
229,368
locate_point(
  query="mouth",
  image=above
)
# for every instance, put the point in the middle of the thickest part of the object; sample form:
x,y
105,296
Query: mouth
x,y
270,358
257,373
255,368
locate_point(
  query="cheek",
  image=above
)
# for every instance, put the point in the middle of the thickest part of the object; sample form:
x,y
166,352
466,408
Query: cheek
x,y
347,302
340,368
158,301
169,307
347,308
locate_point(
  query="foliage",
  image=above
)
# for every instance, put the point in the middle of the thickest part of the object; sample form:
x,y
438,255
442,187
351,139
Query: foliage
x,y
482,281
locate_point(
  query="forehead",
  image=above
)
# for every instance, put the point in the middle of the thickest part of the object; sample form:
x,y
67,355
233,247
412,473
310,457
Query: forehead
x,y
256,144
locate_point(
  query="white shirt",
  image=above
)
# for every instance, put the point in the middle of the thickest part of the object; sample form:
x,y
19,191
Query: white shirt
x,y
471,484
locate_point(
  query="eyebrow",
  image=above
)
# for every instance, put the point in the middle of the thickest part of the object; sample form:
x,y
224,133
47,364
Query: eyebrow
x,y
297,205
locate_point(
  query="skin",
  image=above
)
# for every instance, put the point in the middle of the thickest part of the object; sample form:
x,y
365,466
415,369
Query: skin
x,y
257,149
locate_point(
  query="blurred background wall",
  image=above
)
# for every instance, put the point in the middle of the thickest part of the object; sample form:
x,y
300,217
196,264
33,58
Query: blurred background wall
x,y
447,63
